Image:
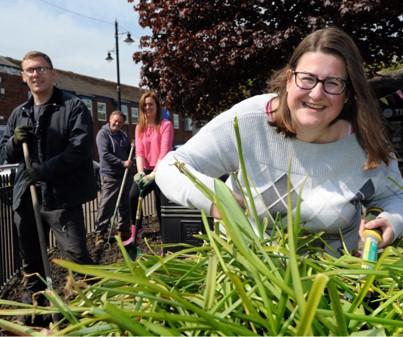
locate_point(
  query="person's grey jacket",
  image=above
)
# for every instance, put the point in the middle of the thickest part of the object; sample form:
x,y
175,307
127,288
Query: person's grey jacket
x,y
113,150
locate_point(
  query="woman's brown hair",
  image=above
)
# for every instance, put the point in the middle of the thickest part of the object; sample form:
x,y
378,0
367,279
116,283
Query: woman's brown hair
x,y
142,118
361,108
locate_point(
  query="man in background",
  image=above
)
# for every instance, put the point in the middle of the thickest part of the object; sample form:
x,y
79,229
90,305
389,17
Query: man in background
x,y
113,149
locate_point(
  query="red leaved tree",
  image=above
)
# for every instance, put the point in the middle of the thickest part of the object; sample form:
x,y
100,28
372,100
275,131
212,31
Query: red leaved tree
x,y
204,56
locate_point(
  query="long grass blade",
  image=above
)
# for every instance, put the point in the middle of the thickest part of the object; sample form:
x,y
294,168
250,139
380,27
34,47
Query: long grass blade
x,y
299,293
305,324
231,226
211,280
342,329
245,178
18,329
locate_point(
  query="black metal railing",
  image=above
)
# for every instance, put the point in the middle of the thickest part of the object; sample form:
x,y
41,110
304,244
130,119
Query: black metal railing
x,y
10,261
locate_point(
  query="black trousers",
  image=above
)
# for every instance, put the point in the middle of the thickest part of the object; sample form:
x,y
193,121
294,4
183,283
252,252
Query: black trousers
x,y
134,198
68,227
110,188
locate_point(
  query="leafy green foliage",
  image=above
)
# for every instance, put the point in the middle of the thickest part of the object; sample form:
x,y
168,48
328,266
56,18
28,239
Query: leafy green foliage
x,y
236,283
223,289
204,56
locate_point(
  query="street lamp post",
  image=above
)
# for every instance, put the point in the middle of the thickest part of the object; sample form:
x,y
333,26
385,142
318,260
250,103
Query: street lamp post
x,y
109,58
117,65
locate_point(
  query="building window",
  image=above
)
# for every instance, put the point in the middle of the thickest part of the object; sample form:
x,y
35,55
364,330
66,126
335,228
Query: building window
x,y
88,103
135,114
125,111
176,121
188,124
101,110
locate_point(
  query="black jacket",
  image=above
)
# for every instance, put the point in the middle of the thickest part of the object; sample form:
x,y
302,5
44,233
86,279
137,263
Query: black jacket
x,y
61,151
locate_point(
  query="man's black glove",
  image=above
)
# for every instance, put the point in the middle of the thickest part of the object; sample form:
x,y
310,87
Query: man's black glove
x,y
32,175
23,134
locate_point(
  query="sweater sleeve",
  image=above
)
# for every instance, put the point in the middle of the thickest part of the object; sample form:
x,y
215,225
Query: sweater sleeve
x,y
209,154
167,137
390,198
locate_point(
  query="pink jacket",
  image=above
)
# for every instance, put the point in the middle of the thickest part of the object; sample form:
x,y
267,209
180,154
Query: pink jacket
x,y
153,144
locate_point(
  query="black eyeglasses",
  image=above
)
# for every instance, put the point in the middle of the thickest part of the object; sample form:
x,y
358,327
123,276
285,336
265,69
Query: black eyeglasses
x,y
39,70
331,85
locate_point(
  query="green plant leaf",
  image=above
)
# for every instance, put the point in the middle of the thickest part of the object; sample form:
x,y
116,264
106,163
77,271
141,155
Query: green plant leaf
x,y
305,324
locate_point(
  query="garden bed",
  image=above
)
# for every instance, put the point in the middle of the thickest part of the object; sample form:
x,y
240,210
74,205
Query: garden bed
x,y
12,290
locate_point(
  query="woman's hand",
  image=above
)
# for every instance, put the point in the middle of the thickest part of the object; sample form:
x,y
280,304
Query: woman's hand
x,y
147,180
214,210
382,224
138,177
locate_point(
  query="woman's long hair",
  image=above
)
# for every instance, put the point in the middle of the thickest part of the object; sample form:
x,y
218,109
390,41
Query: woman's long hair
x,y
142,123
361,107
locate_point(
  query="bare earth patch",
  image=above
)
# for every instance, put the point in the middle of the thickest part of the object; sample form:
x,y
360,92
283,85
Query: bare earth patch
x,y
13,289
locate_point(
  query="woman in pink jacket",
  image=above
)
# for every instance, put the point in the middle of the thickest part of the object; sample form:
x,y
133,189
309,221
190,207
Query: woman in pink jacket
x,y
153,139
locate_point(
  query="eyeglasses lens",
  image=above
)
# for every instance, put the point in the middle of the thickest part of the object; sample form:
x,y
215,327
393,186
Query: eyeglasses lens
x,y
39,70
306,81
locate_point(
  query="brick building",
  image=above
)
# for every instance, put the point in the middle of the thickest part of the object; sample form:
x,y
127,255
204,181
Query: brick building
x,y
99,95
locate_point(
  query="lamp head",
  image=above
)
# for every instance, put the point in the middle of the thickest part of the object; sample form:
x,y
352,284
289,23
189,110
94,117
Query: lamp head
x,y
109,57
128,39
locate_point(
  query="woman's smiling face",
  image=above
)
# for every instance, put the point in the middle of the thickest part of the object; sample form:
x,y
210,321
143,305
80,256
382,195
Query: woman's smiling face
x,y
313,110
150,110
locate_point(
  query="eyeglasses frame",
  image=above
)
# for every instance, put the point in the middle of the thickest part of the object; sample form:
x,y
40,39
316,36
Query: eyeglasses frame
x,y
38,70
345,82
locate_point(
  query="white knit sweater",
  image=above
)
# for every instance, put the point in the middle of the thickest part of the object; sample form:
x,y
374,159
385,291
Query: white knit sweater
x,y
334,183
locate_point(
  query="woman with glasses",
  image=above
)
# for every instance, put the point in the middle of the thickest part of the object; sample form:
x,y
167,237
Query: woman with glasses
x,y
320,129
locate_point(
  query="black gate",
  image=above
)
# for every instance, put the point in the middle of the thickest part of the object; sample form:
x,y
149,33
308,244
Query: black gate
x,y
10,261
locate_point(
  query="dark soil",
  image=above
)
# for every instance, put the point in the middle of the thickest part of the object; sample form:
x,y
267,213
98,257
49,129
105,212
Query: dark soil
x,y
13,289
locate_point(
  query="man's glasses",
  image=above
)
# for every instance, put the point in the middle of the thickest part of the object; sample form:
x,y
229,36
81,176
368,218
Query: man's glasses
x,y
39,70
331,85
